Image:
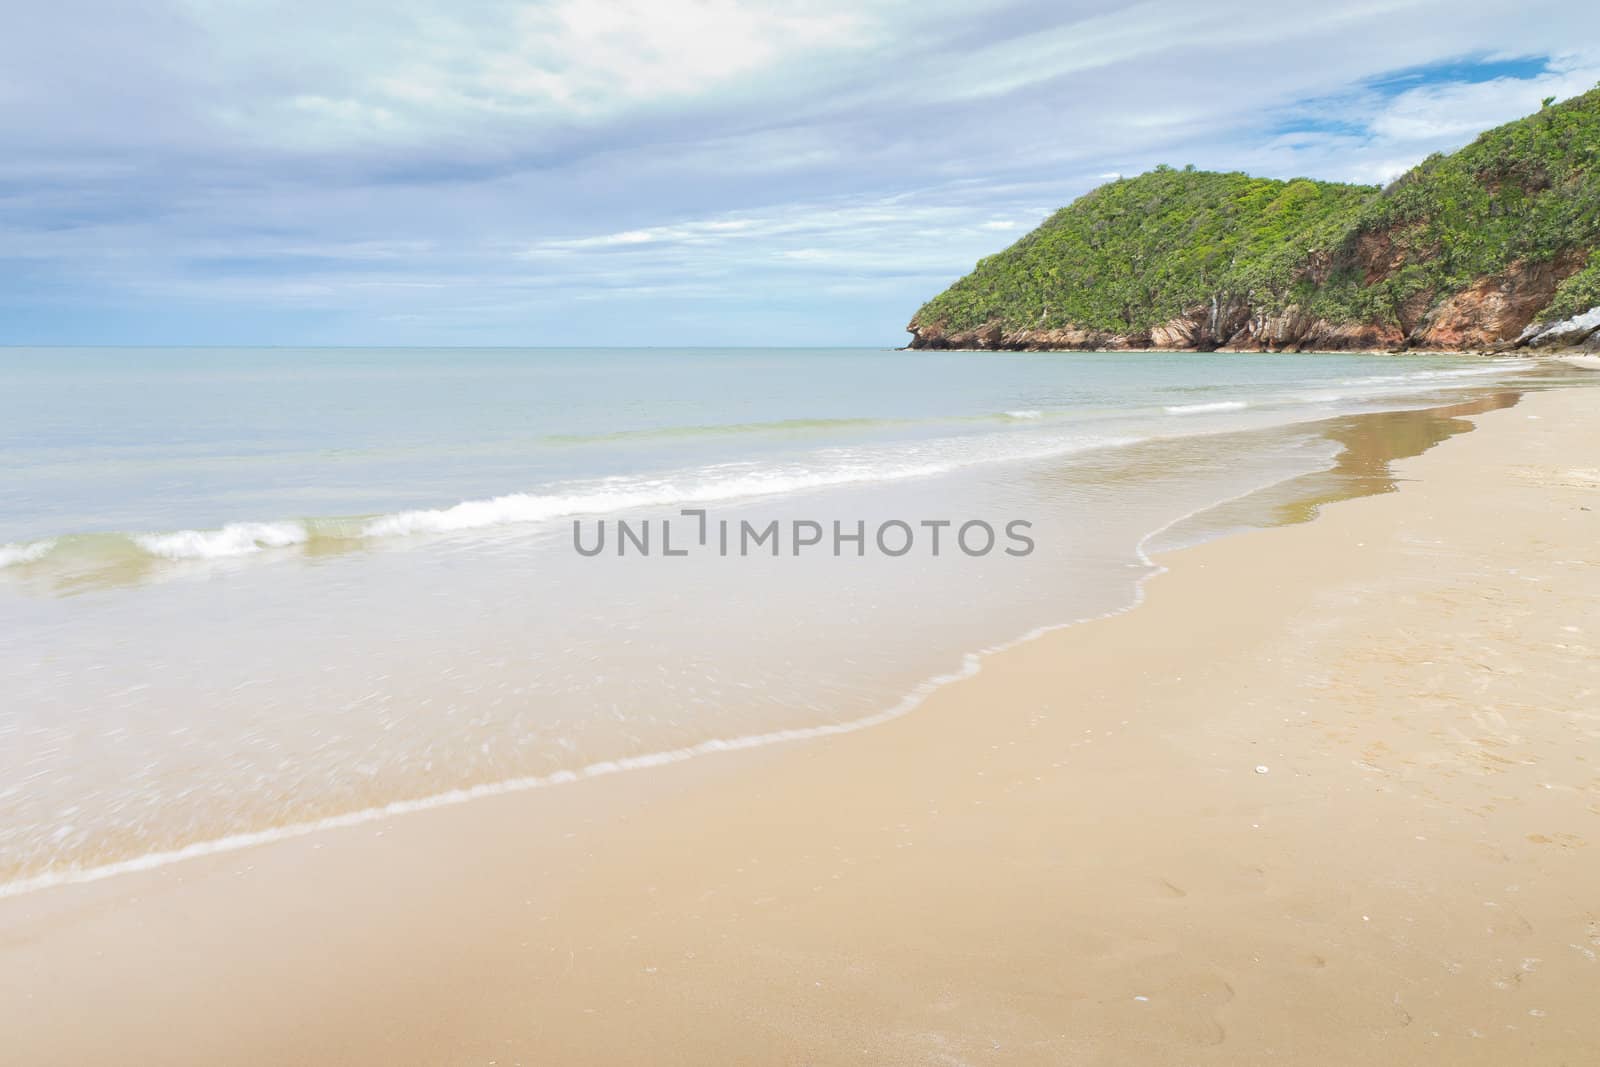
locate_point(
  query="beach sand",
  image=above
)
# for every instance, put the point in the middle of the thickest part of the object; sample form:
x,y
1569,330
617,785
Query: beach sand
x,y
1331,795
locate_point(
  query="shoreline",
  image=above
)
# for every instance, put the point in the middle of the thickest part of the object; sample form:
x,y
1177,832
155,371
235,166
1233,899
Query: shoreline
x,y
966,843
968,663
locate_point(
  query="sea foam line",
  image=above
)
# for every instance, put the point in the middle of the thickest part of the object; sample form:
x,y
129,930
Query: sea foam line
x,y
725,482
706,485
1499,366
1197,409
971,664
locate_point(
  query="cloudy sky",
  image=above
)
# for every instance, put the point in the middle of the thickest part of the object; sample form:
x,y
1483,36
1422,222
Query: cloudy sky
x,y
456,172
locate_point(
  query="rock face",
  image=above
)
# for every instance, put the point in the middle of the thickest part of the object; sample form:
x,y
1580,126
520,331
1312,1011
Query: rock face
x,y
1581,333
1495,313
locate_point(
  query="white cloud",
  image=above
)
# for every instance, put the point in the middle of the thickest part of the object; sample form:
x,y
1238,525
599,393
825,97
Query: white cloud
x,y
412,70
500,158
626,237
1135,33
590,56
1454,111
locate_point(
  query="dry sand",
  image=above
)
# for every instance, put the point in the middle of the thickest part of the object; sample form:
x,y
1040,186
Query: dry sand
x,y
1067,859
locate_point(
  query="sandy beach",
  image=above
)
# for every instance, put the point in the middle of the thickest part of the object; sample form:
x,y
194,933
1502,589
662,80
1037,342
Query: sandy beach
x,y
1329,796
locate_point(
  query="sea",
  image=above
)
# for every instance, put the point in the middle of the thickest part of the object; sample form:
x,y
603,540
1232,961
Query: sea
x,y
249,593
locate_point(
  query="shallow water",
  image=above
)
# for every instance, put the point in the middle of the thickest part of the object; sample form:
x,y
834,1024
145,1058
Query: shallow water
x,y
247,590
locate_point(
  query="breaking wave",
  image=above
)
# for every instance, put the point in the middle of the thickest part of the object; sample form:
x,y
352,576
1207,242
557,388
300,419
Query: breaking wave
x,y
827,468
1200,409
234,539
32,551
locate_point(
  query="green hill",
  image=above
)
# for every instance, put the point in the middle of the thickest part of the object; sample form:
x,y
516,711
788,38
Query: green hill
x,y
1463,251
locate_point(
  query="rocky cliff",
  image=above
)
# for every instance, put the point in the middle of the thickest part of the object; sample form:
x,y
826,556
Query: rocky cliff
x,y
1489,248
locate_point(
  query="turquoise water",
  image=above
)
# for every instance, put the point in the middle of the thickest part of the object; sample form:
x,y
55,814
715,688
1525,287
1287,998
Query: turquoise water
x,y
145,441
246,590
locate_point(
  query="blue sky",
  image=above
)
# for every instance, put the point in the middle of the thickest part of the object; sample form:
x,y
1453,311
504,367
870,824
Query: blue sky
x,y
664,171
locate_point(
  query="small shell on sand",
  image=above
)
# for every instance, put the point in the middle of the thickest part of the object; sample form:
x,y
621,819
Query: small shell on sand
x,y
1261,768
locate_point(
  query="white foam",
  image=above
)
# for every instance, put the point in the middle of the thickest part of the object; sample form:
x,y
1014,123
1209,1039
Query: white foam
x,y
971,664
1197,409
735,481
712,484
13,555
1499,366
234,539
1387,386
450,798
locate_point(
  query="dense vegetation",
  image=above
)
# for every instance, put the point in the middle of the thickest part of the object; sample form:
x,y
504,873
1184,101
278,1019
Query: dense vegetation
x,y
1527,191
1140,251
1577,294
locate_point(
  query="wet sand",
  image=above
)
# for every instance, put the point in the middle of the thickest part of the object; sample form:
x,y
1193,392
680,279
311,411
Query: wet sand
x,y
1329,796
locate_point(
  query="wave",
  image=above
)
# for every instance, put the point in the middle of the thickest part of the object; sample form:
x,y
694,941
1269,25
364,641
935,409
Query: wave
x,y
969,664
786,427
1198,409
718,483
234,539
776,426
1499,366
28,552
723,483
1388,386
825,468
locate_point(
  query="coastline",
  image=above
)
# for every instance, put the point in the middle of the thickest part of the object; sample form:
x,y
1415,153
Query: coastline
x,y
1369,444
1540,355
967,883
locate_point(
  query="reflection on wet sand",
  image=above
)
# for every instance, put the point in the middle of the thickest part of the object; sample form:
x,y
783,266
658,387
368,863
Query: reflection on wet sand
x,y
1369,446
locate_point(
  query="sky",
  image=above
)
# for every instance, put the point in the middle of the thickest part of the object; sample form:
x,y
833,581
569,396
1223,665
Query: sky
x,y
665,172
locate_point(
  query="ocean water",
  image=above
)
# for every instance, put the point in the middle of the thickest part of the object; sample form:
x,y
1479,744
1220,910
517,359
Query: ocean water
x,y
247,592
